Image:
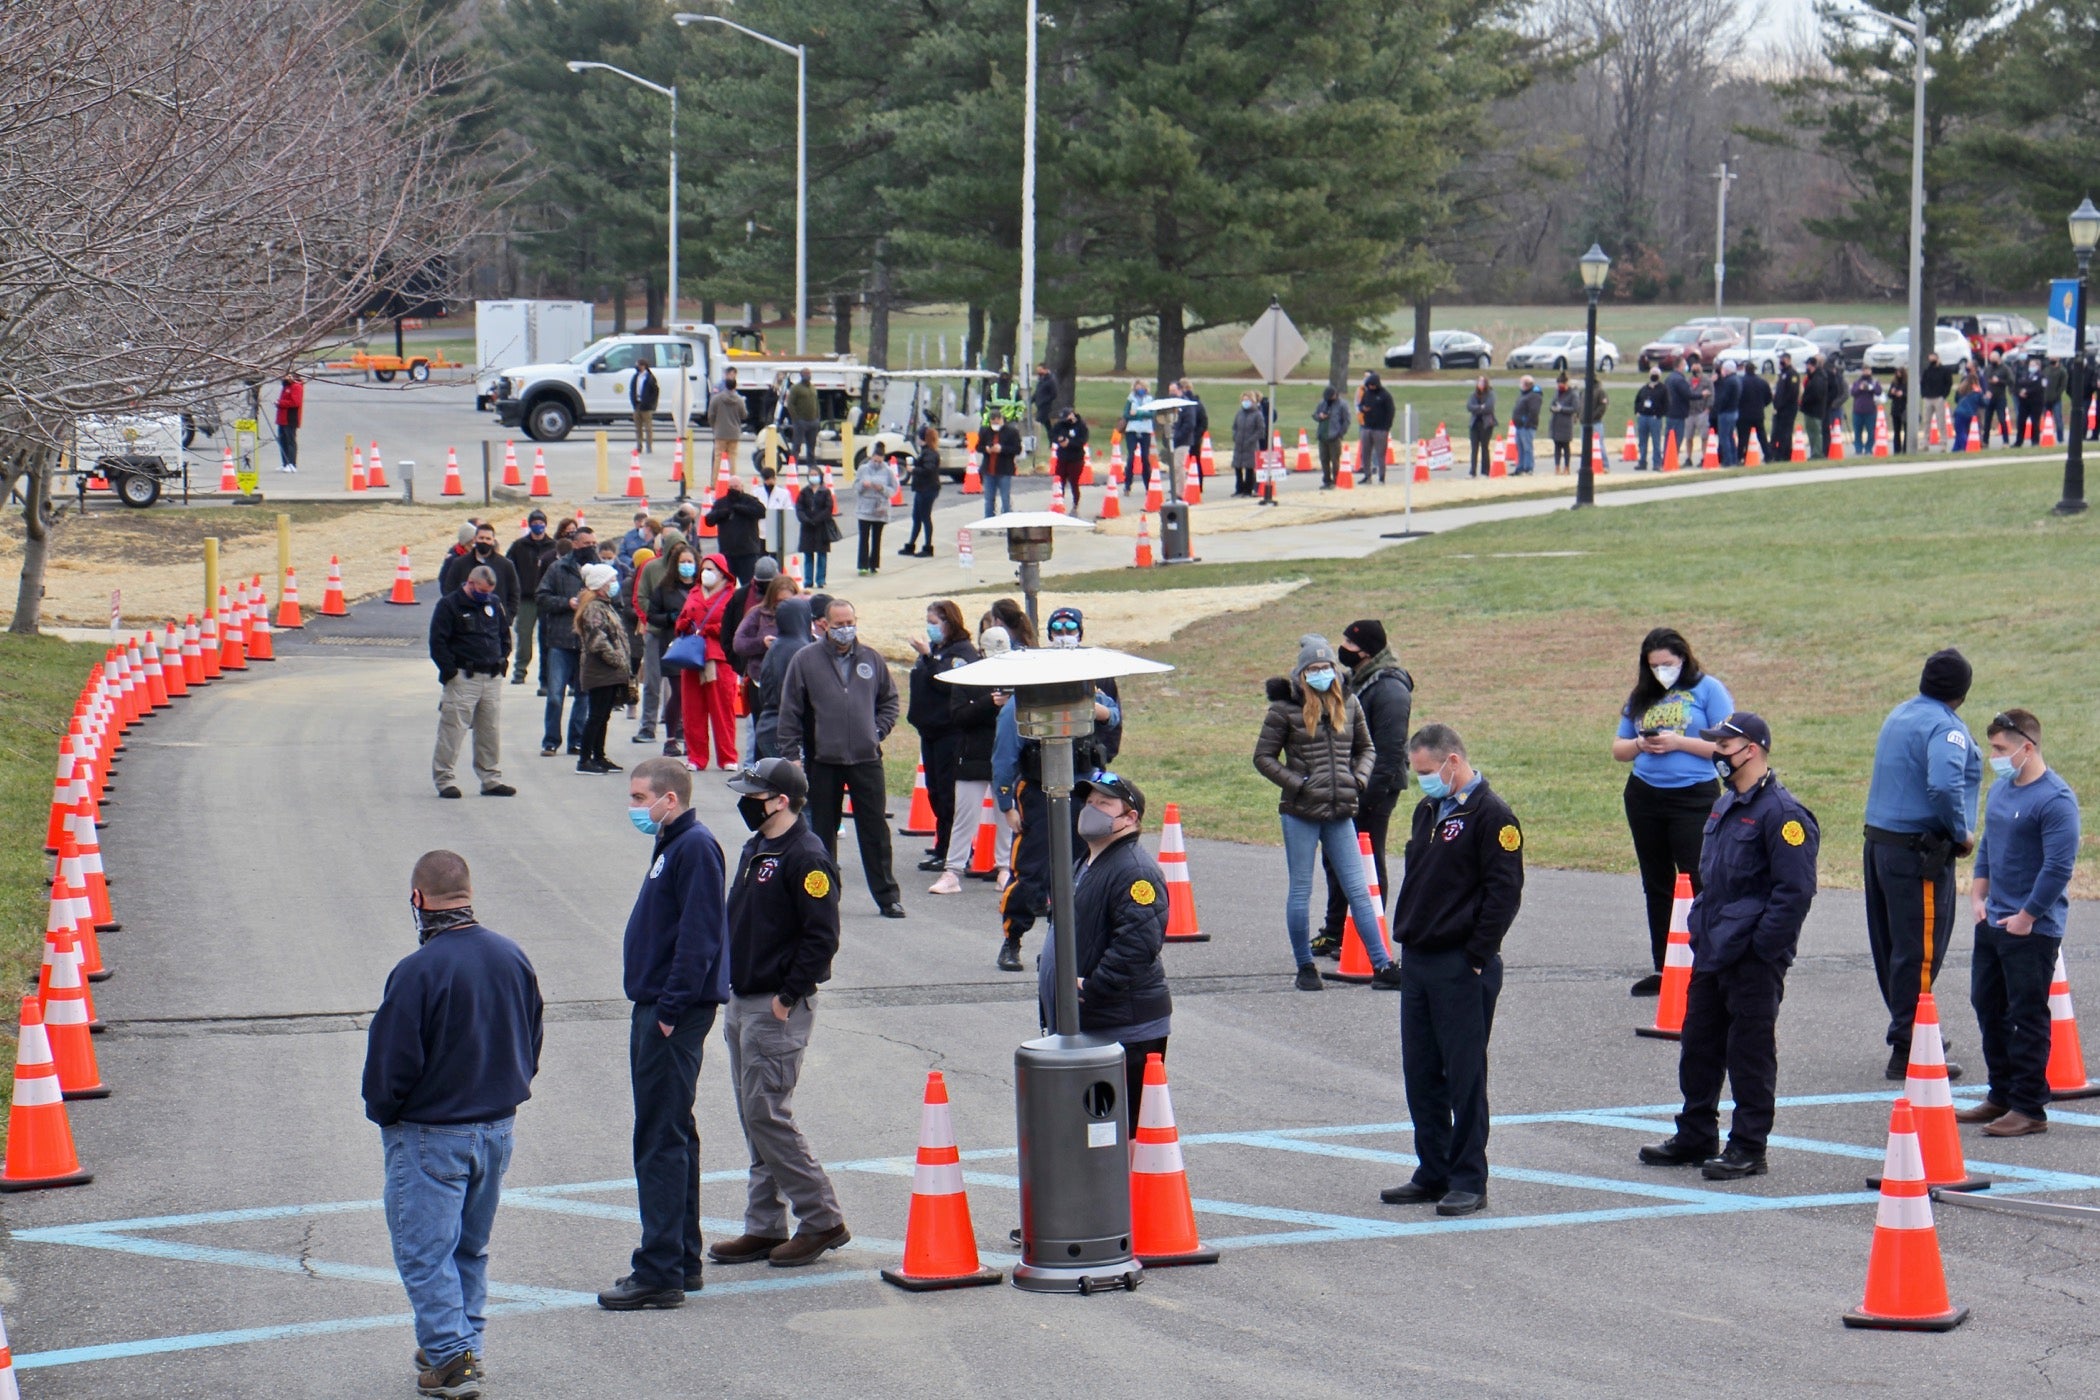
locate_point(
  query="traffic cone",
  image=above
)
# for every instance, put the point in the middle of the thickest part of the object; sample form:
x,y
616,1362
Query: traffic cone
x,y
1155,495
1345,479
1057,502
404,582
357,469
288,615
1181,894
636,487
193,667
973,483
332,596
66,1016
510,464
376,476
984,845
156,671
40,1149
920,820
208,645
255,622
173,670
81,830
1925,1088
1677,968
1932,433
1210,457
1631,451
233,634
791,476
1881,431
1305,462
1670,451
1421,463
678,463
2066,1059
1162,1216
229,481
539,485
61,797
1975,441
452,486
1756,455
1498,462
1712,460
1837,447
1086,465
1355,964
8,1389
69,895
1192,481
1800,448
1906,1283
1111,504
2049,430
1144,543
940,1243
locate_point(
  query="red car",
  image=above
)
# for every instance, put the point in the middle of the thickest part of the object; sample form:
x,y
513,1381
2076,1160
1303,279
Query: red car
x,y
1781,325
1703,342
1990,332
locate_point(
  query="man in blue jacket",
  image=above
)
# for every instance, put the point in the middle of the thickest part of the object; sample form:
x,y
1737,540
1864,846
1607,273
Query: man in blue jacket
x,y
1728,400
449,1056
1757,872
676,971
1921,816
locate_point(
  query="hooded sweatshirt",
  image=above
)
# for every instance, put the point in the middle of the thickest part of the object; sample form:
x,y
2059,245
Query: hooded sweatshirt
x,y
702,612
792,618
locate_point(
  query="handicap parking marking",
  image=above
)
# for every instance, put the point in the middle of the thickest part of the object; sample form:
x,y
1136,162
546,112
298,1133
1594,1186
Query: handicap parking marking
x,y
1656,1200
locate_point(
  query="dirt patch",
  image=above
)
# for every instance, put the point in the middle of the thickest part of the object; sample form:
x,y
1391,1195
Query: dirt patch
x,y
1123,620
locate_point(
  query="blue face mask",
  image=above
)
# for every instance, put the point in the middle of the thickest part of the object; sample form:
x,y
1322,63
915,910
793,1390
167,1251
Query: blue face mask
x,y
1319,680
643,822
1433,784
936,633
2003,766
686,569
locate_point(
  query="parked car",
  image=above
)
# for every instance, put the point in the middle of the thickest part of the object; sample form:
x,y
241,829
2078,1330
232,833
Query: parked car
x,y
1689,341
1781,325
1990,331
591,386
1558,350
1886,356
1846,342
2034,347
1764,352
1447,350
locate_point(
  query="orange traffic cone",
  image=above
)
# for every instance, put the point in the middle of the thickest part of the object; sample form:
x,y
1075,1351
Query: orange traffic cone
x,y
1837,447
1670,451
156,672
1421,463
1906,1283
452,486
1057,502
8,1389
1181,895
1144,543
332,597
920,820
636,487
1711,462
1499,462
1345,479
71,909
61,797
511,475
1155,495
539,485
1677,968
1111,503
93,882
1086,465
66,1016
1799,451
40,1149
376,477
973,482
1192,481
288,614
1162,1217
1932,1104
940,1244
1355,965
233,634
1756,456
173,671
357,469
196,670
1631,452
2066,1059
260,647
1881,431
1975,440
984,845
229,482
2049,430
404,582
1305,461
678,463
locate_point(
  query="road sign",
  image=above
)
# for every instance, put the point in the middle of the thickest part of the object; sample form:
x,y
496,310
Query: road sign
x,y
1273,344
244,425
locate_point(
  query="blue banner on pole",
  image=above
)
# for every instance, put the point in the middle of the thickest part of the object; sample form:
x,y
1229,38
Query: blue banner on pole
x,y
2063,317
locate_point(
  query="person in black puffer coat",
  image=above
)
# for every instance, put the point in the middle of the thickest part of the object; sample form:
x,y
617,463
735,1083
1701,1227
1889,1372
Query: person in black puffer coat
x,y
1386,692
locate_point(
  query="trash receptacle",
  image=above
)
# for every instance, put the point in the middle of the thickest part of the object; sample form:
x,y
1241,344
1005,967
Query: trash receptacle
x,y
1174,543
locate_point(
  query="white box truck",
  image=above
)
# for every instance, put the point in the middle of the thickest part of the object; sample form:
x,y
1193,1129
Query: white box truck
x,y
526,333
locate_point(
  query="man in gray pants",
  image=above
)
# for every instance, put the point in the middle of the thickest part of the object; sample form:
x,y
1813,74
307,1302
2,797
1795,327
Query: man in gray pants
x,y
470,646
783,931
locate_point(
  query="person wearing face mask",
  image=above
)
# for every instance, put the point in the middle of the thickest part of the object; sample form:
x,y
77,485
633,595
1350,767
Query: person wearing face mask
x,y
1330,426
837,706
708,694
1758,878
661,589
449,1055
560,594
1671,788
783,933
973,717
1463,884
1119,927
1068,438
1480,427
792,620
529,555
1137,435
1249,436
470,646
1651,409
482,553
1374,412
606,664
675,970
2020,897
1315,744
1386,692
945,646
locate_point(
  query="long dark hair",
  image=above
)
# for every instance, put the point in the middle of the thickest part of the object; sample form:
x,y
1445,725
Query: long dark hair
x,y
1015,621
1646,689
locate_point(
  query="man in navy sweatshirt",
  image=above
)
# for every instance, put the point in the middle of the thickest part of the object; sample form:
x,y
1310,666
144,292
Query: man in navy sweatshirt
x,y
676,970
449,1057
2020,896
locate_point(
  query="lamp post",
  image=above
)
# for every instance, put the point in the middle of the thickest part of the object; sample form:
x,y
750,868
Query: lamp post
x,y
1025,339
670,292
801,55
2085,233
1595,266
1921,341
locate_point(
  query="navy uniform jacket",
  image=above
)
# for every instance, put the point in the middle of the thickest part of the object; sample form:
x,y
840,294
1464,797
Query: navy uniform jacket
x,y
1119,917
469,634
675,952
1758,876
783,915
1465,877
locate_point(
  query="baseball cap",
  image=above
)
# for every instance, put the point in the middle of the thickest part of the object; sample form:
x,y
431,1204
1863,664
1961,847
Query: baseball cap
x,y
771,776
1741,725
1115,785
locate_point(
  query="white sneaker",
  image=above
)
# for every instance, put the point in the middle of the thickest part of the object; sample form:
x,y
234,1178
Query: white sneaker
x,y
947,884
1004,878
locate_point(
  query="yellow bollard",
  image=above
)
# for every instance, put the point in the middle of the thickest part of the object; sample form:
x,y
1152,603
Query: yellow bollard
x,y
211,574
846,436
769,448
284,553
604,464
349,450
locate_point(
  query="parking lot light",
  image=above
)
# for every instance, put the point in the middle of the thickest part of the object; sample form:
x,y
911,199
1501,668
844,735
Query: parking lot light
x,y
1595,267
2085,232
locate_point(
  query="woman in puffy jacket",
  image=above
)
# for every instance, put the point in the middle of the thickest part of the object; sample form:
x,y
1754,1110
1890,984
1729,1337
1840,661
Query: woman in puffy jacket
x,y
708,694
1316,746
946,646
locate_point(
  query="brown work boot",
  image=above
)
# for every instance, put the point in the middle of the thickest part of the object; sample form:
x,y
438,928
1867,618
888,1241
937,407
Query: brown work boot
x,y
807,1246
2015,1124
457,1379
1985,1112
744,1249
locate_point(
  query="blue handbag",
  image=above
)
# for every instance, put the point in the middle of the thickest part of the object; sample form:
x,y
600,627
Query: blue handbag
x,y
686,653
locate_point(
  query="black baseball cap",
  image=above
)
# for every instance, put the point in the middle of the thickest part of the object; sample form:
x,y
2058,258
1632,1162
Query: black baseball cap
x,y
1116,786
1741,725
772,777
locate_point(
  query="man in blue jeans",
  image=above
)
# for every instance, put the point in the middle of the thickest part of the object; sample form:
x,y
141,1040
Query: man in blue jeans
x,y
450,1055
561,586
1728,401
1001,443
676,972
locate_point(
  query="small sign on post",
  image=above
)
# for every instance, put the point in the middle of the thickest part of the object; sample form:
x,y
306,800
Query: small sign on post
x,y
116,612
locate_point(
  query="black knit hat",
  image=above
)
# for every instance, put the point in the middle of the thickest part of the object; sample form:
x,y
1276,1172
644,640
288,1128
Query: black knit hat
x,y
1946,677
1366,634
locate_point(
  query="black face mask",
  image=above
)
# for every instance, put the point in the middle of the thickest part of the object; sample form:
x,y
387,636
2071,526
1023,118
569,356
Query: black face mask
x,y
432,922
484,550
586,554
752,810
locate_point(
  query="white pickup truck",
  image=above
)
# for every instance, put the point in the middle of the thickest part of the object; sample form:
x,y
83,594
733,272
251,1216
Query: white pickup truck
x,y
591,387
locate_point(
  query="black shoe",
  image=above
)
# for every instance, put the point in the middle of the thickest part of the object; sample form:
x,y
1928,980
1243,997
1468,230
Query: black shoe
x,y
499,790
1733,1164
1010,955
644,736
517,680
893,910
1387,978
550,750
907,553
575,750
1411,1193
1899,1063
926,553
588,765
1649,986
933,863
674,749
541,692
1327,946
609,766
1309,979
630,1294
1676,1151
448,791
694,1282
1953,1070
1462,1202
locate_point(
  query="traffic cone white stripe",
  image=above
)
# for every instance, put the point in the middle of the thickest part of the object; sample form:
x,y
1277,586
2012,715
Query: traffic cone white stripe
x,y
1156,1158
41,1090
1677,954
1904,1212
937,1179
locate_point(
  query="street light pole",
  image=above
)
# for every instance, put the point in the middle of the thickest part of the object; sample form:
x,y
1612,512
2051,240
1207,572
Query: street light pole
x,y
1026,328
1594,266
671,293
2085,232
1723,177
801,56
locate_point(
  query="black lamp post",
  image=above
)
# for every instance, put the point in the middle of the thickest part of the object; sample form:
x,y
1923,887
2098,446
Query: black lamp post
x,y
1595,266
2085,233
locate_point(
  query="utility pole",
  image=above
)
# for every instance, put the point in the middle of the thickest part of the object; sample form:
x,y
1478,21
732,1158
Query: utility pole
x,y
1723,177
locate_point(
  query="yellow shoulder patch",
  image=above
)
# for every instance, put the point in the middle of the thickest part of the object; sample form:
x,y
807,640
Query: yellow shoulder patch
x,y
816,884
1792,834
1510,838
1141,892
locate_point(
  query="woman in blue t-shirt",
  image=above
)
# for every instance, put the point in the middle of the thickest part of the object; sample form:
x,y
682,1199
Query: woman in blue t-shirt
x,y
1672,786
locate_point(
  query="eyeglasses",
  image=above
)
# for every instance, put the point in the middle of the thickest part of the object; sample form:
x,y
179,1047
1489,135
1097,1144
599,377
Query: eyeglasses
x,y
2005,722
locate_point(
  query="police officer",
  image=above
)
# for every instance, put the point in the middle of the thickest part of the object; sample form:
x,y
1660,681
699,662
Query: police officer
x,y
470,646
1463,883
1757,872
1921,816
783,931
1119,923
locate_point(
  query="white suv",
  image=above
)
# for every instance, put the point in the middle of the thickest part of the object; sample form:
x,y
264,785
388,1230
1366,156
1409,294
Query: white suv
x,y
591,387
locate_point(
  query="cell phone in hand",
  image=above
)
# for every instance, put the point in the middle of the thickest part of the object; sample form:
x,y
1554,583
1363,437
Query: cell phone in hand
x,y
1650,733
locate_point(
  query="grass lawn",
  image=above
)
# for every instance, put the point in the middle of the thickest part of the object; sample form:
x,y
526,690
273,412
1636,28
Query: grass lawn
x,y
1815,605
39,680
